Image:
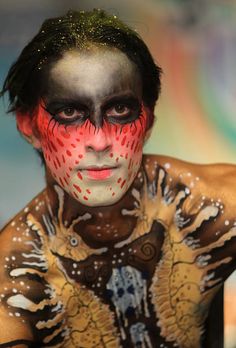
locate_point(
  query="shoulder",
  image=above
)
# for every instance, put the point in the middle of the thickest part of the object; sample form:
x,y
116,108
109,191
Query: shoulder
x,y
22,267
18,234
212,184
210,176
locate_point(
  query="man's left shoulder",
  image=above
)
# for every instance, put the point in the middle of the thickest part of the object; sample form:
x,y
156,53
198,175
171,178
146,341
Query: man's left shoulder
x,y
210,174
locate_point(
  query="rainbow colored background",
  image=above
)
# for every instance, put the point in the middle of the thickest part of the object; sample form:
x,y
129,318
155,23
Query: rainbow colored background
x,y
195,44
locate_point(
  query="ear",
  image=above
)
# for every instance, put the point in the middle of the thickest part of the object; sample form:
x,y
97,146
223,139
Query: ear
x,y
27,127
150,118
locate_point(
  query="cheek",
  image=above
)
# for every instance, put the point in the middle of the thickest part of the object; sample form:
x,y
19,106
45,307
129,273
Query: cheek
x,y
61,147
128,143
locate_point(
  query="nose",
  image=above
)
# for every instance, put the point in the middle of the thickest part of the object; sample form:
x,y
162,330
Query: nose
x,y
98,141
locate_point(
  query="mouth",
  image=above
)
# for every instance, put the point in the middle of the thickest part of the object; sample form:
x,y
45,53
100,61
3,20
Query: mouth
x,y
98,172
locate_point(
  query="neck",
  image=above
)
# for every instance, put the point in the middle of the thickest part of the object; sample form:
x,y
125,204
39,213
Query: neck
x,y
103,226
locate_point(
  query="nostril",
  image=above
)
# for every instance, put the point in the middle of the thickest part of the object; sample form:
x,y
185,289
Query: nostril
x,y
98,148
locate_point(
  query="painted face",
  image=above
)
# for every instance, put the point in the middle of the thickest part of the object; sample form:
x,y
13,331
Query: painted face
x,y
91,124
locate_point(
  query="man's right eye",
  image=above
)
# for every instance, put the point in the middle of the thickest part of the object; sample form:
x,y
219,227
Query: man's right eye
x,y
71,113
68,114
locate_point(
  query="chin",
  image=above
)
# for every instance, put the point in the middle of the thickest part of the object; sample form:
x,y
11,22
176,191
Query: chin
x,y
101,201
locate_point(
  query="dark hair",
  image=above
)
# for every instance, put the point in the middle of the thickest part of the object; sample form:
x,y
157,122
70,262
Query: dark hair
x,y
76,30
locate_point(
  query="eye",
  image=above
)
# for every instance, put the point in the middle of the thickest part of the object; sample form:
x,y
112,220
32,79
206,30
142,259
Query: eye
x,y
67,113
118,110
71,113
73,241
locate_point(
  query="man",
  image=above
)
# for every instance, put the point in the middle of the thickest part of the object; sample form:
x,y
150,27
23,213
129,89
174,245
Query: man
x,y
121,249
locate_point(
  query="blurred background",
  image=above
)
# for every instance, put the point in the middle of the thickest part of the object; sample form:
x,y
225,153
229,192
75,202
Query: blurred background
x,y
194,41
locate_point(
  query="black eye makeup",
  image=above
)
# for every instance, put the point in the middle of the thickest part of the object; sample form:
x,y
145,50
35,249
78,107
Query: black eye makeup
x,y
118,110
122,111
66,112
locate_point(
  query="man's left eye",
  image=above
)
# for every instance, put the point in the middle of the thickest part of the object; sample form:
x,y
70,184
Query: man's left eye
x,y
120,110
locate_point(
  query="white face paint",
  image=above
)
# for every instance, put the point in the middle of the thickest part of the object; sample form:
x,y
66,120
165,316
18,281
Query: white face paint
x,y
92,123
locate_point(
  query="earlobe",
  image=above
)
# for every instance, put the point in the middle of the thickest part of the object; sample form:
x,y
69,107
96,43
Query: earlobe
x,y
25,125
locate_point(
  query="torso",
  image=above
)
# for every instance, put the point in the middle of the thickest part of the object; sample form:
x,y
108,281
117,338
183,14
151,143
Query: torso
x,y
150,288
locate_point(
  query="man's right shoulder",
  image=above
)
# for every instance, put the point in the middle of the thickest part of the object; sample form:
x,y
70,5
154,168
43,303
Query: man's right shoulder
x,y
17,236
22,262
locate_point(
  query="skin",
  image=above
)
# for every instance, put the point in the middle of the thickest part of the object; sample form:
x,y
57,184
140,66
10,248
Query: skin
x,y
137,268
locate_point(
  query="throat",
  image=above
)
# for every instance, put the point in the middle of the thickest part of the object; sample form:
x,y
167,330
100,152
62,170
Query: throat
x,y
97,226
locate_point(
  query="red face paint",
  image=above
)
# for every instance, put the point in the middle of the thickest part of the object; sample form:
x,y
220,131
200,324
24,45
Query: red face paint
x,y
94,165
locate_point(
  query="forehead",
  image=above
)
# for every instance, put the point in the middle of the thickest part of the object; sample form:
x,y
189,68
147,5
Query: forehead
x,y
93,73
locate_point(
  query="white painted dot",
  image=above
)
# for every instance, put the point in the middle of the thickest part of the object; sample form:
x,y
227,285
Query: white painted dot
x,y
78,272
74,265
26,209
13,223
226,222
167,165
17,314
13,258
14,290
7,258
